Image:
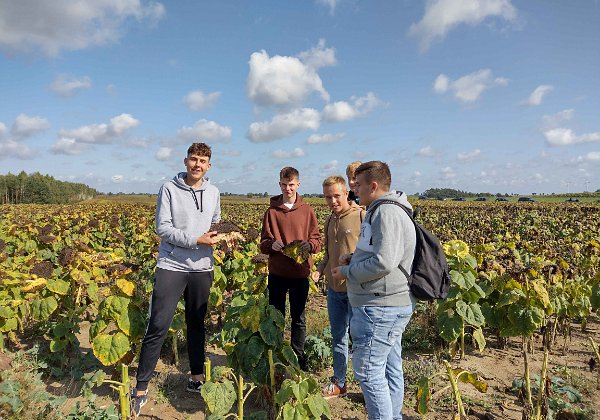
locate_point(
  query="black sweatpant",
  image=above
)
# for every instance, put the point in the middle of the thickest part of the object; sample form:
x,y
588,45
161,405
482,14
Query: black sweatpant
x,y
168,287
298,289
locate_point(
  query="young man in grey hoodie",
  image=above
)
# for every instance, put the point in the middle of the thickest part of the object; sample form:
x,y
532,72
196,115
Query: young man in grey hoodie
x,y
187,206
378,291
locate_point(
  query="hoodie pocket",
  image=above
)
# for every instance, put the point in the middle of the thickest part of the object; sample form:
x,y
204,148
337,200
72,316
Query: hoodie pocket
x,y
197,259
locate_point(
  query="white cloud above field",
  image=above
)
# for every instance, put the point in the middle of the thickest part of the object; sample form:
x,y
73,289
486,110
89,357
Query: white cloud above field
x,y
103,133
566,136
591,157
205,130
12,149
26,126
197,100
285,81
332,4
469,156
287,154
426,151
164,153
284,125
537,96
441,16
330,166
325,138
65,85
554,120
346,111
52,26
468,88
69,146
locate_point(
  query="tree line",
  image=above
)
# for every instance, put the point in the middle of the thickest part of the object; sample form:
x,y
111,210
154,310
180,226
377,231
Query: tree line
x,y
41,189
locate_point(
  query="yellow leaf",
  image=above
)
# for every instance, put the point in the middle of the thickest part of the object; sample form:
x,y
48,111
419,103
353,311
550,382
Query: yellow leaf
x,y
126,286
32,285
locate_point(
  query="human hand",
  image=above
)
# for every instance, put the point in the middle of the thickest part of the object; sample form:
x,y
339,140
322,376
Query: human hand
x,y
337,274
345,259
209,238
315,276
306,246
277,245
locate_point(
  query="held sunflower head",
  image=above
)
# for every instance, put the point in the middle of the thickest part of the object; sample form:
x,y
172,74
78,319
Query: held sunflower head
x,y
456,248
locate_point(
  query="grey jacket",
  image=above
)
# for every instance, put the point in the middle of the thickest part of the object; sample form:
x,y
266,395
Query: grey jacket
x,y
374,278
182,215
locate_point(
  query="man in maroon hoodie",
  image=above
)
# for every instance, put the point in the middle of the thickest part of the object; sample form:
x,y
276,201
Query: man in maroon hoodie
x,y
287,219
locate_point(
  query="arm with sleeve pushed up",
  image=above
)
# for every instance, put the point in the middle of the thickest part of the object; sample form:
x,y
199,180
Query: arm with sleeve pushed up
x,y
387,249
164,223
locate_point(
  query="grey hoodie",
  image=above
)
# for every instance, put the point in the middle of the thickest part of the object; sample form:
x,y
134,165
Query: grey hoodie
x,y
374,278
182,215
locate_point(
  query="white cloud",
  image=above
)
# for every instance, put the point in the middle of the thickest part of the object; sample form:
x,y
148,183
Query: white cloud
x,y
551,121
441,16
164,153
469,156
284,125
447,173
281,80
287,154
330,166
566,136
52,26
469,87
319,56
324,138
197,100
26,126
231,152
426,151
537,96
67,146
2,129
64,85
117,179
205,130
332,4
12,149
592,157
345,111
101,133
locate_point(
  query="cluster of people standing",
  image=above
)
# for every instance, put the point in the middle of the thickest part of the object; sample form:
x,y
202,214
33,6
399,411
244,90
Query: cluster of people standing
x,y
366,245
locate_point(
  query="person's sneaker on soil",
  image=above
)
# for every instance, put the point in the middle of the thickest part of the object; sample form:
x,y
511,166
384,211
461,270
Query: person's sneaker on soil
x,y
138,401
194,386
333,390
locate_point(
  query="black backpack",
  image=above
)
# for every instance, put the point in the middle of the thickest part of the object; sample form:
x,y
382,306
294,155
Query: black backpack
x,y
430,276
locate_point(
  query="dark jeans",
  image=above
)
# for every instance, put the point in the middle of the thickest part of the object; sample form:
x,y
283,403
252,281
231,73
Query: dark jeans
x,y
168,287
298,289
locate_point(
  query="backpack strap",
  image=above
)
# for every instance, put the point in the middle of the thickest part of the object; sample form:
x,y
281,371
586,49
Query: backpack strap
x,y
408,211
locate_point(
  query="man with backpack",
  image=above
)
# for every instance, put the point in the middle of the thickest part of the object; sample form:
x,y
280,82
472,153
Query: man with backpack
x,y
378,290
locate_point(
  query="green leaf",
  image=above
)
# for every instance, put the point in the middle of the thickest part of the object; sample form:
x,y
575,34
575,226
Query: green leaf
x,y
471,261
423,395
510,297
289,355
215,298
458,279
450,325
303,389
479,339
257,415
97,327
109,349
58,286
285,393
276,316
114,307
289,412
6,312
252,353
132,323
92,291
250,317
9,324
270,333
525,319
260,373
470,312
41,309
219,396
58,344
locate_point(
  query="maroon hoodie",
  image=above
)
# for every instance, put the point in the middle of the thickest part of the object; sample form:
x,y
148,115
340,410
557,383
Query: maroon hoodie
x,y
288,225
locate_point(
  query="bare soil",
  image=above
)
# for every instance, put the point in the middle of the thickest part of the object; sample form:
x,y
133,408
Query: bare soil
x,y
497,367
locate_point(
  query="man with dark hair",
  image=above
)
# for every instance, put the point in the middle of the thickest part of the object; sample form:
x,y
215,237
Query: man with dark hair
x,y
187,206
378,291
341,233
287,219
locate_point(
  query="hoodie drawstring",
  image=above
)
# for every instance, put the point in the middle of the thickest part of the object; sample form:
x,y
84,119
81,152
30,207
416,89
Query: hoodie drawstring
x,y
195,198
201,196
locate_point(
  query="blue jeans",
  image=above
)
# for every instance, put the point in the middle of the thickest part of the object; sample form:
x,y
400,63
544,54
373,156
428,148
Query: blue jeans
x,y
340,313
377,357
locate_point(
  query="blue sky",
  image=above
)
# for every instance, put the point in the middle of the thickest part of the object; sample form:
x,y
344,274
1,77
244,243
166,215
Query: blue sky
x,y
488,95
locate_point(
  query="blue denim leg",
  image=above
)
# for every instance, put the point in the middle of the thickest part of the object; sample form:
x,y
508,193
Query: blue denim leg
x,y
377,357
340,312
